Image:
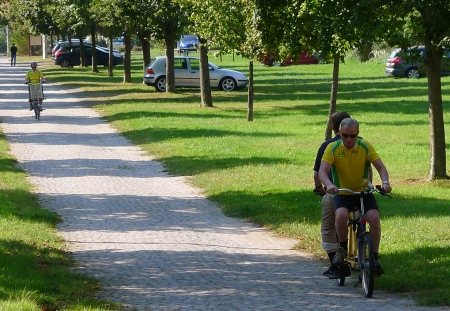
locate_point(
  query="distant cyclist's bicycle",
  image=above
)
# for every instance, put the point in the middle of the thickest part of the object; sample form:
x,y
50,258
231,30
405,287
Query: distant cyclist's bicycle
x,y
360,253
36,96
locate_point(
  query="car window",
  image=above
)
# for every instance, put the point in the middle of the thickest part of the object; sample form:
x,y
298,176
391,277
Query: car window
x,y
189,38
394,53
180,63
195,63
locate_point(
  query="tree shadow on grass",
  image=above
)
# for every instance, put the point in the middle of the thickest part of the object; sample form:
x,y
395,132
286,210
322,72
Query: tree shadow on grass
x,y
42,274
302,204
424,271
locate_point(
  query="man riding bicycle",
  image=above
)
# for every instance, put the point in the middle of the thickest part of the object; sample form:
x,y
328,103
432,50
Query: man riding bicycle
x,y
349,160
34,76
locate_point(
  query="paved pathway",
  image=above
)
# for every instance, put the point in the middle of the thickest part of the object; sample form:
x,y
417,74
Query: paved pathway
x,y
154,242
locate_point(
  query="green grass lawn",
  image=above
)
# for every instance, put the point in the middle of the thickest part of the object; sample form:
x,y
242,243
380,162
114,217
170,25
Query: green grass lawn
x,y
262,170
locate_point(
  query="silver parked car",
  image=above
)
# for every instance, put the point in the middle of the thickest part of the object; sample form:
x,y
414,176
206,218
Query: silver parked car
x,y
187,74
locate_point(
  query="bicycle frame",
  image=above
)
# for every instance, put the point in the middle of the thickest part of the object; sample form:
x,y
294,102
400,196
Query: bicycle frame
x,y
352,256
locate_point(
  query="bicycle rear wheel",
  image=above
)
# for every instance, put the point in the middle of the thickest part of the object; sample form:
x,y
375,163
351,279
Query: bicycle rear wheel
x,y
367,268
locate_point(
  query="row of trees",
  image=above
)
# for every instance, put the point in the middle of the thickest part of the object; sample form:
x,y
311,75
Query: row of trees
x,y
252,27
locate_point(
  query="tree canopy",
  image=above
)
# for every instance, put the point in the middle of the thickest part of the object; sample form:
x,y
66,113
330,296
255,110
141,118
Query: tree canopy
x,y
254,27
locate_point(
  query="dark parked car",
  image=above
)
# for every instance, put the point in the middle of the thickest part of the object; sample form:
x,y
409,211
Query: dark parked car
x,y
409,63
61,44
304,58
69,56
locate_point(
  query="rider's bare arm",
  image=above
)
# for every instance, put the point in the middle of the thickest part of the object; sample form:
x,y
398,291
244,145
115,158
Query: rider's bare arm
x,y
323,175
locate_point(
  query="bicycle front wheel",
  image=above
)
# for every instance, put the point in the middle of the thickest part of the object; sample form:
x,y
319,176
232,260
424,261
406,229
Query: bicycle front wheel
x,y
37,112
367,267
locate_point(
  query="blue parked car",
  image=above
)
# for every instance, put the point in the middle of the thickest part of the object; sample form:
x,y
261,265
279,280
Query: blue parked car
x,y
188,43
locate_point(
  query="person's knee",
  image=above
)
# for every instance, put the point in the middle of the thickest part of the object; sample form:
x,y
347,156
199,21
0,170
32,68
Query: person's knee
x,y
341,214
373,217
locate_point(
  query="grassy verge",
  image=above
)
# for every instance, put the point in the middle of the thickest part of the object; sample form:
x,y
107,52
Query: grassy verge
x,y
262,170
35,266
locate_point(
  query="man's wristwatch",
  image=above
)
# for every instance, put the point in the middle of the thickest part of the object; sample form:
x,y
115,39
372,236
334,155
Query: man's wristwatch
x,y
386,182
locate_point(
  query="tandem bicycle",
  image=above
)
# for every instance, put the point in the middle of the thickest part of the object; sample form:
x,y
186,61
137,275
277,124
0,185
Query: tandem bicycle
x,y
360,255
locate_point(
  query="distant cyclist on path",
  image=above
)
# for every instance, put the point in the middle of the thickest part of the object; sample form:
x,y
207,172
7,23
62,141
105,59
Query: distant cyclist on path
x,y
34,76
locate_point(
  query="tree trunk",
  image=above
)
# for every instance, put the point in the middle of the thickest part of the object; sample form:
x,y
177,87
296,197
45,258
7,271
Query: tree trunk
x,y
82,52
170,73
94,54
364,51
111,55
127,59
437,131
250,92
205,83
333,96
145,43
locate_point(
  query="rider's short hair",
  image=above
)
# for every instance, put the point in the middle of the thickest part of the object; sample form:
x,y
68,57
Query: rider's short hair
x,y
336,119
349,122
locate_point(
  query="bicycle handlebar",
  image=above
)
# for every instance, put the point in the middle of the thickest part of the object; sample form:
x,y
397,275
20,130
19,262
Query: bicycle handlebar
x,y
371,189
42,81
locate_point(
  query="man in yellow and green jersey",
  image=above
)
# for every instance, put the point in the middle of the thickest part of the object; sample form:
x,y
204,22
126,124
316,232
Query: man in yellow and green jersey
x,y
349,160
34,75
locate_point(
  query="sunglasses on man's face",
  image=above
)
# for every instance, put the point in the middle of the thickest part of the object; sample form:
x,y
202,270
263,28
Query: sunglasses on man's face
x,y
347,135
33,67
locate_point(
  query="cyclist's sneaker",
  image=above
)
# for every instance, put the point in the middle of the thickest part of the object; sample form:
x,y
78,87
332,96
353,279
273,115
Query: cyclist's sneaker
x,y
338,259
334,273
326,272
331,272
378,269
